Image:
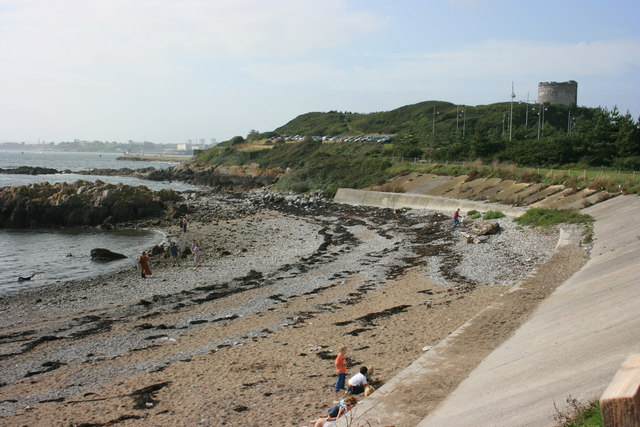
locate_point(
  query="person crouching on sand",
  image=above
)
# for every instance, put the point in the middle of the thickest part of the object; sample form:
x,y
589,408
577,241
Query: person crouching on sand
x,y
358,382
144,264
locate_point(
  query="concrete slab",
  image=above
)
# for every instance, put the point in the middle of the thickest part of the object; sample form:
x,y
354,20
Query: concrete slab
x,y
417,201
571,346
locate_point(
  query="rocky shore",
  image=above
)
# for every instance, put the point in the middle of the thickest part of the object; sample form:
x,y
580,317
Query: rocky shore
x,y
218,178
249,337
81,203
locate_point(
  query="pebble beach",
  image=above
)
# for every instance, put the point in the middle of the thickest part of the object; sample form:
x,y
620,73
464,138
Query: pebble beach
x,y
249,337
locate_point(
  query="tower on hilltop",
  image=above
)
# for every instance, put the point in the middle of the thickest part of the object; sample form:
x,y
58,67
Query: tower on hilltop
x,y
563,93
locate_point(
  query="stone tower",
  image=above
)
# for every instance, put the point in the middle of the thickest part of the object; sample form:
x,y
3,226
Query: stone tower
x,y
564,93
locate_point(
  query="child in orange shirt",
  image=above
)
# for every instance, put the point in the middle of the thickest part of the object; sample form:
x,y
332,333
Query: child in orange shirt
x,y
341,369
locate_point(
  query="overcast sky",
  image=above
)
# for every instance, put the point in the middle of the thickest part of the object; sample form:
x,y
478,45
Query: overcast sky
x,y
170,70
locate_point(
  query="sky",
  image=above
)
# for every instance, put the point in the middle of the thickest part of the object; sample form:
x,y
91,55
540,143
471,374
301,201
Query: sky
x,y
167,71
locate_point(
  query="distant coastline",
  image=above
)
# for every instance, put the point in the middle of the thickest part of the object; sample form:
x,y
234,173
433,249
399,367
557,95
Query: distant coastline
x,y
154,158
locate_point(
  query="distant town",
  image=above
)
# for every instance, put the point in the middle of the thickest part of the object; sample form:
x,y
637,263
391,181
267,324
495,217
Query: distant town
x,y
130,147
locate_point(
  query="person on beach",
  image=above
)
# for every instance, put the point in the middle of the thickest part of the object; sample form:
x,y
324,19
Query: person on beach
x,y
144,264
173,254
358,382
341,368
183,224
343,407
456,217
369,374
195,250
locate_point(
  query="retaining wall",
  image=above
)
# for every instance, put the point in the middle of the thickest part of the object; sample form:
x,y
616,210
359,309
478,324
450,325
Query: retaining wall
x,y
381,199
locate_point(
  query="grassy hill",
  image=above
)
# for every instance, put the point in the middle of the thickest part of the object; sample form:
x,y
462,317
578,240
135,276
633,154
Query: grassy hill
x,y
550,136
436,122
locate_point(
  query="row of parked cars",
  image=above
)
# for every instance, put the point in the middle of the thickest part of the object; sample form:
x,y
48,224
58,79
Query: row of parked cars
x,y
338,138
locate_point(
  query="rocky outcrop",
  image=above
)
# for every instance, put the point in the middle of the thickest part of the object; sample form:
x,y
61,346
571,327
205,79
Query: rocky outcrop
x,y
485,229
265,196
29,170
80,203
141,173
221,178
101,254
479,233
138,173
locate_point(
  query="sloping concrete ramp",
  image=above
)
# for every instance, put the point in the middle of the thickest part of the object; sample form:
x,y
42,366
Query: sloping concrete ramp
x,y
572,345
381,199
507,192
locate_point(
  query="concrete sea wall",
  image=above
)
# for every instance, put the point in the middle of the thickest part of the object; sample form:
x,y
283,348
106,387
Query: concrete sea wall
x,y
381,199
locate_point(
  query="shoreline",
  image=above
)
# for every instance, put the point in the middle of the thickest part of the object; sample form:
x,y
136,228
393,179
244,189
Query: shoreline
x,y
156,158
255,330
53,267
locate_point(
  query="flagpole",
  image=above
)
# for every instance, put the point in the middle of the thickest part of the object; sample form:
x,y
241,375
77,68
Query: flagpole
x,y
526,114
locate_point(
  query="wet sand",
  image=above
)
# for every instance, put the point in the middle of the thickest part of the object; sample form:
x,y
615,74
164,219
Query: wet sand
x,y
249,338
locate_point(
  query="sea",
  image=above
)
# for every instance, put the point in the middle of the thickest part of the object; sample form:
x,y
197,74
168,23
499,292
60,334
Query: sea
x,y
59,255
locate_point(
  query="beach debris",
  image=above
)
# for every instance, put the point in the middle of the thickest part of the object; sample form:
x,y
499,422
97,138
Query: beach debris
x,y
145,396
474,239
48,367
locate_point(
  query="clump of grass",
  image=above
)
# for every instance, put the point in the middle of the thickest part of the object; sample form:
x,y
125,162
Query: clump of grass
x,y
546,218
474,214
578,414
587,234
390,187
493,215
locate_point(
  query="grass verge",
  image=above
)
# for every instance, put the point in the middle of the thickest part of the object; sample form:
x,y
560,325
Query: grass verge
x,y
546,218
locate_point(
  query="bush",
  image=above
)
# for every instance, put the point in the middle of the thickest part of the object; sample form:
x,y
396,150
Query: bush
x,y
493,215
237,140
627,163
328,174
474,214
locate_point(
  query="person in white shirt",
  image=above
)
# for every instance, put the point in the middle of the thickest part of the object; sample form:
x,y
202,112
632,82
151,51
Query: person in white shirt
x,y
358,382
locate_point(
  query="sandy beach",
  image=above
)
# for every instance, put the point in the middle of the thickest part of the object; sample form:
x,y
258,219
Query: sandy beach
x,y
249,338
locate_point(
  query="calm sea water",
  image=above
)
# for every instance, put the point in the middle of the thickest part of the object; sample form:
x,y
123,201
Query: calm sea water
x,y
44,252
10,159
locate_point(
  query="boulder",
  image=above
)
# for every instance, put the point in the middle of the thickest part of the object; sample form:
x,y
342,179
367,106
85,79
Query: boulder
x,y
485,230
101,254
157,250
